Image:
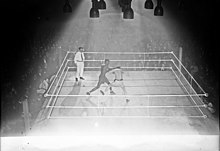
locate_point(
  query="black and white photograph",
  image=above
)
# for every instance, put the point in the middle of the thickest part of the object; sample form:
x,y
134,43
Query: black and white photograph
x,y
110,75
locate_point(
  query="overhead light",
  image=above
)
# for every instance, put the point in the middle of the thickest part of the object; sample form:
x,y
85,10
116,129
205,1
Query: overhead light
x,y
124,3
120,3
102,4
148,4
94,12
128,12
158,11
67,7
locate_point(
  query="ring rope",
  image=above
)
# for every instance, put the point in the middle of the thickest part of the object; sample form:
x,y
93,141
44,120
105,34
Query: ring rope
x,y
131,96
124,107
57,93
155,117
128,53
188,93
187,72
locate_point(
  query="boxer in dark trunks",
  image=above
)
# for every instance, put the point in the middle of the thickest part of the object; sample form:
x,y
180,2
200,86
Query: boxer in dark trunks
x,y
102,77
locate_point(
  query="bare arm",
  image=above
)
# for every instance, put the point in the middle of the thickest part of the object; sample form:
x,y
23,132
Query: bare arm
x,y
110,69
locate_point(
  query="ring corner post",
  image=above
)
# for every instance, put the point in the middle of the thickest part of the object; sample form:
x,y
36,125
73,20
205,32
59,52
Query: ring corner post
x,y
26,115
180,57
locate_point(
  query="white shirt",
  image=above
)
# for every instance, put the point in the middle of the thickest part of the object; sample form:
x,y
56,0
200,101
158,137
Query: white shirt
x,y
79,57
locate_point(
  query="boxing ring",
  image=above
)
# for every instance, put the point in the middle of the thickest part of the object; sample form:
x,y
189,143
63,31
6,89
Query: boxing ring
x,y
165,109
158,86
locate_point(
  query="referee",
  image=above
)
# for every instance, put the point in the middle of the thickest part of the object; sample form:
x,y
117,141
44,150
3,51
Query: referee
x,y
79,61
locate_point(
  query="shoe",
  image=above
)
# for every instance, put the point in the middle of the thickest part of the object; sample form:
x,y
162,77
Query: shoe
x,y
76,79
88,93
112,92
127,100
102,92
82,78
